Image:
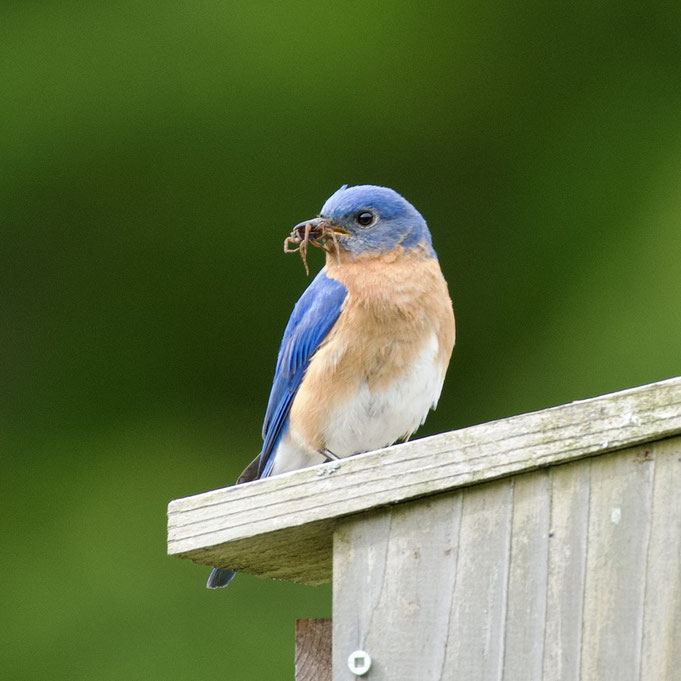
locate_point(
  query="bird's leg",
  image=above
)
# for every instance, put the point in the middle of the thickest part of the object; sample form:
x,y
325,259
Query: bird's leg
x,y
329,455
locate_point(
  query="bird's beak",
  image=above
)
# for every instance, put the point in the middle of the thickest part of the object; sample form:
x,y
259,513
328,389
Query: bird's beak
x,y
318,227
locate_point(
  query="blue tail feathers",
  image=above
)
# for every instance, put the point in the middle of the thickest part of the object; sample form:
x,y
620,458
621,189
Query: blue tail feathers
x,y
220,578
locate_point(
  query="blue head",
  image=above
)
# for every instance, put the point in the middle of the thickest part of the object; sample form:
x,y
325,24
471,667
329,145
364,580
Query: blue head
x,y
367,218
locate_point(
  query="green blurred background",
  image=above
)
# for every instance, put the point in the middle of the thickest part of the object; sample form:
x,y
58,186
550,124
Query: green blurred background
x,y
153,157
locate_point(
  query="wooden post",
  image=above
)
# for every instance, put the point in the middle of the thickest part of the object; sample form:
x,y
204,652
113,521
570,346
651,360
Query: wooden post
x,y
313,650
544,547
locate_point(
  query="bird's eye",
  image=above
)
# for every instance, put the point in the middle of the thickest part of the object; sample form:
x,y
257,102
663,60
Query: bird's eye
x,y
365,218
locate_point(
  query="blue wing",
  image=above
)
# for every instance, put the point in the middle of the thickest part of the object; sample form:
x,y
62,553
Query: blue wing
x,y
311,320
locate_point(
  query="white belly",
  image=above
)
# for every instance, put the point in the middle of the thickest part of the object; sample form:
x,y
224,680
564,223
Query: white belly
x,y
376,418
290,456
371,419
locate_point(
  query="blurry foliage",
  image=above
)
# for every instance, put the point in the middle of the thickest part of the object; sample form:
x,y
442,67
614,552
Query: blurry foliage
x,y
153,156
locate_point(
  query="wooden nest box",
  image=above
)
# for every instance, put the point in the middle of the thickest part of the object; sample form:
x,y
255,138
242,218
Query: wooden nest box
x,y
543,546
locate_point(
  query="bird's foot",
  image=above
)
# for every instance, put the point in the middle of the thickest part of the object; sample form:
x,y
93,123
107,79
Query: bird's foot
x,y
329,455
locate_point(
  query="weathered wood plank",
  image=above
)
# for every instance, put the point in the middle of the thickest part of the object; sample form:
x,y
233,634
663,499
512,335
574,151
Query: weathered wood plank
x,y
661,649
313,650
248,526
475,645
527,583
298,554
566,570
360,550
568,574
619,531
393,581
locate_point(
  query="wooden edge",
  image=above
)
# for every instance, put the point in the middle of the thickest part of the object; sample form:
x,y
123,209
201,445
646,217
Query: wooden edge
x,y
203,527
301,554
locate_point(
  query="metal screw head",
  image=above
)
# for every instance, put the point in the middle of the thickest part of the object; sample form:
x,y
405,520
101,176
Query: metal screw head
x,y
359,662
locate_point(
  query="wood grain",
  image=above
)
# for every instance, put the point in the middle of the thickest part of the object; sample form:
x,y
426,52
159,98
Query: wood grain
x,y
661,644
394,573
618,536
572,574
282,527
568,534
475,640
528,576
313,650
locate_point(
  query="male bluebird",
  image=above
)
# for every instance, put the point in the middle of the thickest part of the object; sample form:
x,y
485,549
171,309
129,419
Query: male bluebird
x,y
365,352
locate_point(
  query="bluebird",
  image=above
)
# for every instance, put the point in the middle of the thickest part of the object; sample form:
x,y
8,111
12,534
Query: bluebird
x,y
365,351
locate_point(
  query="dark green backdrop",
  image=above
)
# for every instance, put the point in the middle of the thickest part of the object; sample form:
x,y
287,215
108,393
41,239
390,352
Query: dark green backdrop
x,y
153,157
